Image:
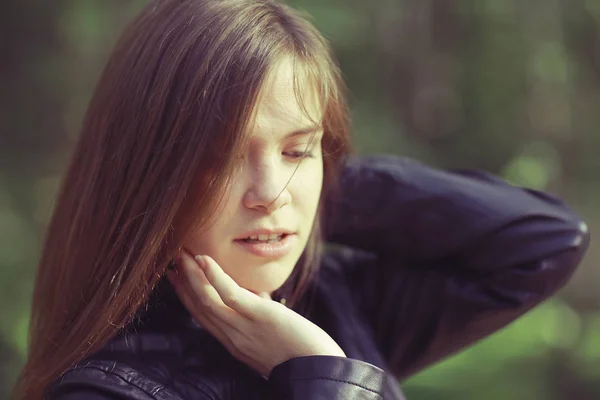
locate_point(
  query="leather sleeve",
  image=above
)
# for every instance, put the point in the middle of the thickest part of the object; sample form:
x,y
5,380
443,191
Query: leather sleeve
x,y
99,380
84,394
327,377
452,256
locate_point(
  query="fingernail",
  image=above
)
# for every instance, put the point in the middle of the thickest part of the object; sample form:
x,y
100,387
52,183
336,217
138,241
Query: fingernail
x,y
201,262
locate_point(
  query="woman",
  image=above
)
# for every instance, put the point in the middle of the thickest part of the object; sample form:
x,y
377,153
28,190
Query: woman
x,y
211,166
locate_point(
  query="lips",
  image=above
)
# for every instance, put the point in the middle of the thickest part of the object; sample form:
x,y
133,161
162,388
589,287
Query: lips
x,y
268,249
264,232
264,238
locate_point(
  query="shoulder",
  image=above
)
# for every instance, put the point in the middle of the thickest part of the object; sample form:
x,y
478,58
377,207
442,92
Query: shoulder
x,y
345,281
339,259
150,366
345,266
104,379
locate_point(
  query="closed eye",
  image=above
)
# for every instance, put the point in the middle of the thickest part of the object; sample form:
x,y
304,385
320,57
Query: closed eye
x,y
298,154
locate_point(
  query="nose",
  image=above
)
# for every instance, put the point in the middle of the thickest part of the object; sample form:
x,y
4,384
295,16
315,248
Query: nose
x,y
268,188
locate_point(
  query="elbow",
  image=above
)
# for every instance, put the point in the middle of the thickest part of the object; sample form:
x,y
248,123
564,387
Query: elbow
x,y
581,239
580,243
562,266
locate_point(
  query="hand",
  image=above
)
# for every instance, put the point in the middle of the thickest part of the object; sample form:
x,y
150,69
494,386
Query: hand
x,y
256,330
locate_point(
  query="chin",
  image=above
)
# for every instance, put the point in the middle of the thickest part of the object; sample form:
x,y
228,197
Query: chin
x,y
264,283
266,278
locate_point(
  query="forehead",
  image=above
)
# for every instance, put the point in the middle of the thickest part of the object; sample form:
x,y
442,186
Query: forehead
x,y
288,100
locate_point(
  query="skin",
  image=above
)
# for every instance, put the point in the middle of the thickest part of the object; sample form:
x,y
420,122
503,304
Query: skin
x,y
227,289
277,185
256,330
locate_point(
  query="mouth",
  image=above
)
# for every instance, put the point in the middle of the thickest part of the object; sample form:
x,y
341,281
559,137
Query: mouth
x,y
271,246
263,238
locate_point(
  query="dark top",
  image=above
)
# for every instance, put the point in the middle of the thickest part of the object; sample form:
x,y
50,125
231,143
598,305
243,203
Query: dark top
x,y
433,261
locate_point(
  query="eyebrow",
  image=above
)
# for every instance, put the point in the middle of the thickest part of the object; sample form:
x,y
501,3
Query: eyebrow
x,y
304,131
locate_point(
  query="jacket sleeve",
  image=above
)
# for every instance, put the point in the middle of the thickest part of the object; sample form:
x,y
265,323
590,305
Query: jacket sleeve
x,y
83,394
450,256
301,378
95,381
327,377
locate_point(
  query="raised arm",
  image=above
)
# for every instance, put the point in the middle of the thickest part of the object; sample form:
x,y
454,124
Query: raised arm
x,y
452,256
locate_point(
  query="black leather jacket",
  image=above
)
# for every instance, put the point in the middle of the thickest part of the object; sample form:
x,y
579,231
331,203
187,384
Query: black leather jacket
x,y
433,262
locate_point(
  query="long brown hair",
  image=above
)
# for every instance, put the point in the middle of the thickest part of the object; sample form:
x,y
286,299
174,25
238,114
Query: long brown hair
x,y
156,146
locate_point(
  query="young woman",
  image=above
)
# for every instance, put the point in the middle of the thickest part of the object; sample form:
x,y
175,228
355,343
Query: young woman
x,y
184,259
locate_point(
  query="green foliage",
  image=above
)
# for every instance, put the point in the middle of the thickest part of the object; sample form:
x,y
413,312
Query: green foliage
x,y
509,86
510,355
535,166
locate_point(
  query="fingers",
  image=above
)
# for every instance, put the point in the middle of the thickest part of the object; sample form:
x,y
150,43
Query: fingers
x,y
189,299
206,322
227,330
264,295
234,296
203,295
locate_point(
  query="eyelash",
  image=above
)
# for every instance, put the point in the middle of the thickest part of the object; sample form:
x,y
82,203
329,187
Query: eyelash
x,y
299,154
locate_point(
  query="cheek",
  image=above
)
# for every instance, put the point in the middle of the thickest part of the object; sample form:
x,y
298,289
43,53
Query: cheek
x,y
201,242
317,176
308,185
208,240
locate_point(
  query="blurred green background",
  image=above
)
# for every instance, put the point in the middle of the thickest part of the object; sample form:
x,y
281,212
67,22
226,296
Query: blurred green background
x,y
509,86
